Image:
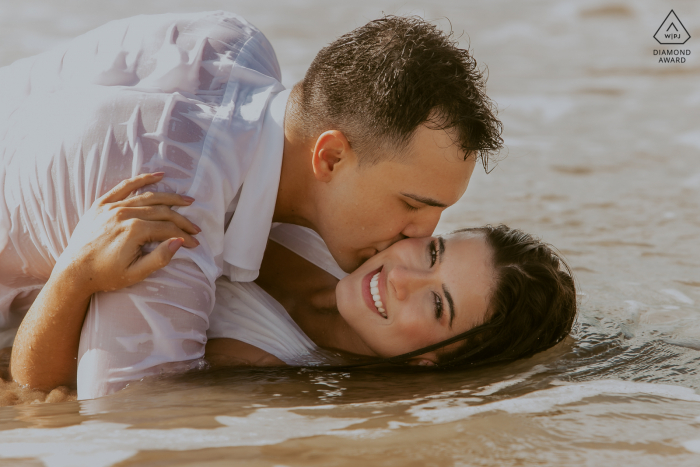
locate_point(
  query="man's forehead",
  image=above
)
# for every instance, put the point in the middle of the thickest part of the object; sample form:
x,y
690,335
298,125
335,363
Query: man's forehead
x,y
427,138
436,185
428,173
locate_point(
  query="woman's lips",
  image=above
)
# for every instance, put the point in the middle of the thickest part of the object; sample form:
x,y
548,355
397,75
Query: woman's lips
x,y
367,294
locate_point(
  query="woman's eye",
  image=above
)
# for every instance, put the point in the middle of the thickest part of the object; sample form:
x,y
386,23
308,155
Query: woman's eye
x,y
433,253
438,306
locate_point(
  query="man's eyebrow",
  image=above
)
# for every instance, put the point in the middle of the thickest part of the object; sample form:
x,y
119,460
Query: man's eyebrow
x,y
441,247
425,200
450,302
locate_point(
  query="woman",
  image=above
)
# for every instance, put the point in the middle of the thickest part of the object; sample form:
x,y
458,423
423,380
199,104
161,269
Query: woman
x,y
474,296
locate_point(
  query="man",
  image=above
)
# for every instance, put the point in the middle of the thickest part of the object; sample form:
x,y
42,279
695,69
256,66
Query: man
x,y
378,139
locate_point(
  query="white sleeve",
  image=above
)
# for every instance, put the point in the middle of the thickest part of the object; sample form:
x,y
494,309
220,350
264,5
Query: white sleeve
x,y
155,326
144,94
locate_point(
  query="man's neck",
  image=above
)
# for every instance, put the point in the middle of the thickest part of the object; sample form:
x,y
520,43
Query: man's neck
x,y
294,203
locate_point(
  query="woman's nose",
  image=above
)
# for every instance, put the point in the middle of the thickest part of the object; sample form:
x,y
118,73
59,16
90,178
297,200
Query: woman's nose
x,y
405,280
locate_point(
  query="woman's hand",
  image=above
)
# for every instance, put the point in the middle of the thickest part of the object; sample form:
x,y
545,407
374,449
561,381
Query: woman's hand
x,y
105,249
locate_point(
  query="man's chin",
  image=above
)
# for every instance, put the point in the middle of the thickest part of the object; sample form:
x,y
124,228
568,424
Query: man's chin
x,y
349,266
350,263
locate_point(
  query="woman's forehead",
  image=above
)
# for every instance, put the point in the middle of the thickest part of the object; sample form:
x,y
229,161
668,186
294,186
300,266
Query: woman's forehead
x,y
469,274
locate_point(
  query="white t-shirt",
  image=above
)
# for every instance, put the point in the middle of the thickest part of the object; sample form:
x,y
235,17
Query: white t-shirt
x,y
197,96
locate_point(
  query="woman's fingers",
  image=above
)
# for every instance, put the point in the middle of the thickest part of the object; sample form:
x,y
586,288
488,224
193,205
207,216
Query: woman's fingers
x,y
150,198
157,259
159,213
124,188
158,231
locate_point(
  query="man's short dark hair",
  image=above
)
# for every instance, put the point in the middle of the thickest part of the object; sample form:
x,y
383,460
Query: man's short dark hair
x,y
379,82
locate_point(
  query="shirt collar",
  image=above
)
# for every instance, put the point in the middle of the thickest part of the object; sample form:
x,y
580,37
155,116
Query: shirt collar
x,y
246,237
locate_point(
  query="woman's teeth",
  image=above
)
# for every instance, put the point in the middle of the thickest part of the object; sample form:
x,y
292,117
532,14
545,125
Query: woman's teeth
x,y
374,289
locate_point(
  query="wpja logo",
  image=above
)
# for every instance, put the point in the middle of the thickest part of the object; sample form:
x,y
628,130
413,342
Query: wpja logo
x,y
672,32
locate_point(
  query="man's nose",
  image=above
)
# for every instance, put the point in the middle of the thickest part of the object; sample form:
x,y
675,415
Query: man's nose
x,y
405,281
424,224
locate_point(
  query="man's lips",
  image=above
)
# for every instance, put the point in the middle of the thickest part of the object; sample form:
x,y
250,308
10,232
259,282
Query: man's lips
x,y
367,295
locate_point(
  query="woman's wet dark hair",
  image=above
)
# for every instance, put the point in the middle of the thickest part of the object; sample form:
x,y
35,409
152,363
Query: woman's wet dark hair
x,y
532,305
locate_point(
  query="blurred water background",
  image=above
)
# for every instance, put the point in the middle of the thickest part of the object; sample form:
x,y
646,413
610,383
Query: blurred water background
x,y
602,160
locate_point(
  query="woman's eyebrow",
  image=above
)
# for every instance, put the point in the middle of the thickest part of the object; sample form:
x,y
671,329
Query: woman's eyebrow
x,y
450,302
448,296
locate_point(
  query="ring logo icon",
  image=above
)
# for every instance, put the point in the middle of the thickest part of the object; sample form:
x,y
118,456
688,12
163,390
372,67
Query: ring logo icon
x,y
672,31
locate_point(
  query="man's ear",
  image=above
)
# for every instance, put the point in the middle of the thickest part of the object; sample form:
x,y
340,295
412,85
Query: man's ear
x,y
332,150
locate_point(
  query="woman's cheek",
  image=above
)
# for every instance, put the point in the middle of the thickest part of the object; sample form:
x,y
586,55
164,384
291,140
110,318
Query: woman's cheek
x,y
414,334
342,294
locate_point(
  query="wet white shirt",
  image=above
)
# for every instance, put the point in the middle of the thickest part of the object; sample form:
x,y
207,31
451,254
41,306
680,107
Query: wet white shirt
x,y
197,96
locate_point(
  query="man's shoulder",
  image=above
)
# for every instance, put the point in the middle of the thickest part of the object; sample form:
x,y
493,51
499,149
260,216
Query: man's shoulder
x,y
225,26
220,33
152,51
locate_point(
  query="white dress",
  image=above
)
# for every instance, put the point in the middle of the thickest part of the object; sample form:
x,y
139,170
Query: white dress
x,y
245,312
197,96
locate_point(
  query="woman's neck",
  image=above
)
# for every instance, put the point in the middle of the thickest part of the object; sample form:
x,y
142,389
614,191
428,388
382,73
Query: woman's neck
x,y
318,317
307,292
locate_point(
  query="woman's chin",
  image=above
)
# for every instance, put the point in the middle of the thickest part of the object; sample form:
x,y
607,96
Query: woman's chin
x,y
344,296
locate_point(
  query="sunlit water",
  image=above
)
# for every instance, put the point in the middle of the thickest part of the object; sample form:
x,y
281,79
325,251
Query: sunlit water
x,y
603,161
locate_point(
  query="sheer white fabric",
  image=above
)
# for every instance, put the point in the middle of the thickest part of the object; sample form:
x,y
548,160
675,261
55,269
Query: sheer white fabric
x,y
307,244
197,96
245,312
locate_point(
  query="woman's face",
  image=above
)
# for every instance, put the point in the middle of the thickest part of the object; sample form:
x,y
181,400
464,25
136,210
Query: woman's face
x,y
418,292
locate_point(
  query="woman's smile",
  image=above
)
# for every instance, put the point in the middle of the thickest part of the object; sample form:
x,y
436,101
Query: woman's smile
x,y
372,286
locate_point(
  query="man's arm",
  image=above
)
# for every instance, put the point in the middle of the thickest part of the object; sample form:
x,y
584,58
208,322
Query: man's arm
x,y
153,327
103,254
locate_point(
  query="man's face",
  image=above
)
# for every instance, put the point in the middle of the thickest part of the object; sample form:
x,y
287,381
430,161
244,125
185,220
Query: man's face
x,y
365,209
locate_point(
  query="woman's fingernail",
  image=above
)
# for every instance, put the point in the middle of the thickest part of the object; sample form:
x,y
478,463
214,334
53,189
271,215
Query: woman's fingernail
x,y
175,244
196,241
158,174
197,227
189,199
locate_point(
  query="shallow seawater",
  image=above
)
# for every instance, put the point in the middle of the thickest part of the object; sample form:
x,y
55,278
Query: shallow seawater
x,y
602,160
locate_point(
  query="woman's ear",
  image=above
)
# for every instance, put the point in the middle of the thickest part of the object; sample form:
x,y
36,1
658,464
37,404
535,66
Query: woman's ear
x,y
331,149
